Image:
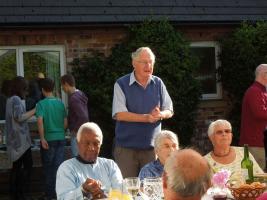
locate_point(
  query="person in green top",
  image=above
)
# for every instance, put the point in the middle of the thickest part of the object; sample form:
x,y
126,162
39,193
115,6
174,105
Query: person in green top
x,y
52,122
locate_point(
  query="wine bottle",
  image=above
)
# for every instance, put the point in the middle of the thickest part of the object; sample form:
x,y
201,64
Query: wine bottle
x,y
247,166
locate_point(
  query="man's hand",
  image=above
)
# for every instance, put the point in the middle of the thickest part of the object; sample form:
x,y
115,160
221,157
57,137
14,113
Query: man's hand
x,y
44,144
155,115
94,188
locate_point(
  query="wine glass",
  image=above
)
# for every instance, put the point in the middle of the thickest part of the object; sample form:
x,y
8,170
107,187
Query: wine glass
x,y
132,185
152,188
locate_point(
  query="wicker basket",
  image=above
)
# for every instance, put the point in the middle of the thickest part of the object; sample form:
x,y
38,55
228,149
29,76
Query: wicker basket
x,y
247,193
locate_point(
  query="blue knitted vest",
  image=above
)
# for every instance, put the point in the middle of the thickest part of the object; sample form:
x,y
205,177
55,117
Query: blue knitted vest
x,y
138,135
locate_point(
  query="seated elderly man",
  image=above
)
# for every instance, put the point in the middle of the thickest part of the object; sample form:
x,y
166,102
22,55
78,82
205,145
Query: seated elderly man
x,y
87,175
187,176
164,143
225,156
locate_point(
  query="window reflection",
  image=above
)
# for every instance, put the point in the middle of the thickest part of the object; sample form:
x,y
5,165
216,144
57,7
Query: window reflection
x,y
46,63
36,65
207,68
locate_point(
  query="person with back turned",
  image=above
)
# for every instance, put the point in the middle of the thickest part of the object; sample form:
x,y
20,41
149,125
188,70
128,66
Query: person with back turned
x,y
187,176
18,138
52,122
77,108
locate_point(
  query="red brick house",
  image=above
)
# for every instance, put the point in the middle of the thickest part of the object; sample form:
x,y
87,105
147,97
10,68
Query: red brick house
x,y
45,36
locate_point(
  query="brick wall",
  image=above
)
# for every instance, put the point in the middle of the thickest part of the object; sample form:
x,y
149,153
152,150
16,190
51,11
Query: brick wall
x,y
208,111
80,41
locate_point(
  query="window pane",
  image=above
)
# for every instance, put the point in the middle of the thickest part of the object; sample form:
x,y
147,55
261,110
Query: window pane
x,y
207,70
7,71
45,62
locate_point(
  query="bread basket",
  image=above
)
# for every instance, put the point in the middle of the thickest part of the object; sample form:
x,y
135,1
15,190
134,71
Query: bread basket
x,y
248,192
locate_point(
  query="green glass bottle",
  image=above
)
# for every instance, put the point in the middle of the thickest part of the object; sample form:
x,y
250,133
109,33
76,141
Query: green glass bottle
x,y
247,166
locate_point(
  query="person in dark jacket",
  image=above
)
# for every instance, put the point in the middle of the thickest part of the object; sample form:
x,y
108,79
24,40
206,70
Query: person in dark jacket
x,y
77,108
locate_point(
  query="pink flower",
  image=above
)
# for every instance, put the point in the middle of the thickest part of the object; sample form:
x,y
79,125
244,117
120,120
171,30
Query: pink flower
x,y
221,178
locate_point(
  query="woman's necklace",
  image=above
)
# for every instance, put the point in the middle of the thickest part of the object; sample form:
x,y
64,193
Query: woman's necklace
x,y
222,155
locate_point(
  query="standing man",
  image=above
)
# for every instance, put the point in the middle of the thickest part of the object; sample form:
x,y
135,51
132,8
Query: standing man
x,y
254,115
77,105
140,102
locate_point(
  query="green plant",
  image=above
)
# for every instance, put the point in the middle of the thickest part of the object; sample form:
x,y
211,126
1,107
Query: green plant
x,y
174,64
242,52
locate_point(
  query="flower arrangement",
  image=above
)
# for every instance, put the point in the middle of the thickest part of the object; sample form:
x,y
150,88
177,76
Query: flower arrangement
x,y
219,181
221,178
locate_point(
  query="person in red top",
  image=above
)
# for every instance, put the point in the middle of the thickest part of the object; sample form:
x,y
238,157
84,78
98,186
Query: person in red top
x,y
254,115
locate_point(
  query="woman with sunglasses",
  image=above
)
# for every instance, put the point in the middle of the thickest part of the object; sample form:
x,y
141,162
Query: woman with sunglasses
x,y
225,156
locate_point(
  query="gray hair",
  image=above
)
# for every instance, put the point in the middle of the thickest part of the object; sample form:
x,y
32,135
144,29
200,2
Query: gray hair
x,y
178,181
164,134
139,50
216,123
90,127
259,69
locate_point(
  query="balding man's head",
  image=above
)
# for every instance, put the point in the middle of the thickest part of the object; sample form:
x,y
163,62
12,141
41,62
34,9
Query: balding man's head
x,y
186,174
261,74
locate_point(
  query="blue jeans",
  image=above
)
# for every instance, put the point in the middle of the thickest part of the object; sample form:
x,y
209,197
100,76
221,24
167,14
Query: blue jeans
x,y
74,146
51,159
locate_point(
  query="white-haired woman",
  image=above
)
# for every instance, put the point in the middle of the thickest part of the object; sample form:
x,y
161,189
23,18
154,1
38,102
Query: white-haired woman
x,y
223,155
164,143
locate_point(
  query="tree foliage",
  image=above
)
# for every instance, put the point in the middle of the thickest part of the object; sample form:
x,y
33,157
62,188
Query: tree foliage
x,y
174,65
242,52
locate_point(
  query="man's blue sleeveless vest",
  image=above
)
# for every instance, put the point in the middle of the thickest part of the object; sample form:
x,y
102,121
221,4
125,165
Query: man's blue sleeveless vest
x,y
138,135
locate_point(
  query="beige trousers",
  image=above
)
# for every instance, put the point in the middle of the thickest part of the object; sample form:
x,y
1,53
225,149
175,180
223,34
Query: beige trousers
x,y
259,155
130,161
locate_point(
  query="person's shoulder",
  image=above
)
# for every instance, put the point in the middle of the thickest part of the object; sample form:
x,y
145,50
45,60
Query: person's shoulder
x,y
239,151
68,163
157,80
15,98
77,95
57,100
105,160
127,76
42,101
255,87
147,170
153,77
148,166
208,156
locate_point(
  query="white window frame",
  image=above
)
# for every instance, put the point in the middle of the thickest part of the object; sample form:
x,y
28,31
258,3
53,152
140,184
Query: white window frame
x,y
38,48
218,94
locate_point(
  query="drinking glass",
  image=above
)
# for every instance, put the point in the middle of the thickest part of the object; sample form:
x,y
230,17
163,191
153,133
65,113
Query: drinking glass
x,y
152,187
132,185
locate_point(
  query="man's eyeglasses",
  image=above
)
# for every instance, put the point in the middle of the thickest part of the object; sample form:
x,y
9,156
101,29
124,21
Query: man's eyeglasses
x,y
226,131
145,62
